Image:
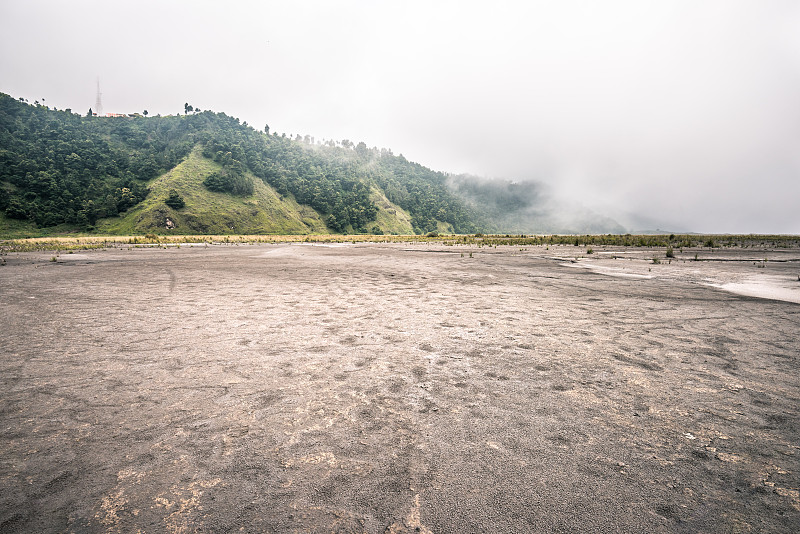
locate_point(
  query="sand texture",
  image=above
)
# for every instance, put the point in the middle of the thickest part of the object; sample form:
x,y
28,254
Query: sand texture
x,y
399,388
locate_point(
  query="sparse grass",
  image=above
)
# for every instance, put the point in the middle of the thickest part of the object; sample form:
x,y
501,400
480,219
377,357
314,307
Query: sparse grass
x,y
76,242
391,218
670,252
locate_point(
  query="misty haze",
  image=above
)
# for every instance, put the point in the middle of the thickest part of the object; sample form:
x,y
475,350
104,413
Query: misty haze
x,y
397,267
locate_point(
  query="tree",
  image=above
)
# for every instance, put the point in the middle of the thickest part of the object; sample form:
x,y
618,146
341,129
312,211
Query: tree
x,y
16,209
216,182
88,215
89,114
229,181
144,113
125,198
266,129
175,201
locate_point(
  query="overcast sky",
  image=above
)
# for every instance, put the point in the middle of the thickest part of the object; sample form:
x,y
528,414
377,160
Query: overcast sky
x,y
680,115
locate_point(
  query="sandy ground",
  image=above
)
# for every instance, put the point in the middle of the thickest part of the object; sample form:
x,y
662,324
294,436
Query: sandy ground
x,y
399,388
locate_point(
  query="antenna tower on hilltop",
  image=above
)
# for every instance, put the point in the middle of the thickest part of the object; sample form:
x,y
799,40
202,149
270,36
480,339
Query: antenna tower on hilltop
x,y
98,104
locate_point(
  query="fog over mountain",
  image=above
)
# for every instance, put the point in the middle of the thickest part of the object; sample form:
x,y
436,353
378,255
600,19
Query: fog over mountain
x,y
675,115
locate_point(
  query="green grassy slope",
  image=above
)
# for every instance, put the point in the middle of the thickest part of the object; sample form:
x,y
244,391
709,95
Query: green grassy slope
x,y
16,229
207,212
391,218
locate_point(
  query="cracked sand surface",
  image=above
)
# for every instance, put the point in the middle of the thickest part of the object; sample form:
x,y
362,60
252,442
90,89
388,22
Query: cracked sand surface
x,y
388,388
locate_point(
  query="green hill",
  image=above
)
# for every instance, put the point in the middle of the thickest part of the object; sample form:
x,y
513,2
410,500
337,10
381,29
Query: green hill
x,y
209,212
62,172
208,173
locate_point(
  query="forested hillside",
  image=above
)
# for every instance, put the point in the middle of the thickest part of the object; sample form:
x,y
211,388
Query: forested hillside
x,y
528,207
62,168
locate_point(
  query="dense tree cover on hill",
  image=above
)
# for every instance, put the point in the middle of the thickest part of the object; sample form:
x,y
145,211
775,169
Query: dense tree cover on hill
x,y
59,167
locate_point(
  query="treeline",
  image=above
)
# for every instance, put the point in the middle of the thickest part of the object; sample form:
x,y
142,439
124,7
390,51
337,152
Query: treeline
x,y
677,241
60,167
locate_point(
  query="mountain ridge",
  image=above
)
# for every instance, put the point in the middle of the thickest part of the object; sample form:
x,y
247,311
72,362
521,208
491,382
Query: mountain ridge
x,y
206,172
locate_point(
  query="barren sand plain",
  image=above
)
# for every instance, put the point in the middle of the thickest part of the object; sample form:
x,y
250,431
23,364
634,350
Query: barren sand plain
x,y
399,388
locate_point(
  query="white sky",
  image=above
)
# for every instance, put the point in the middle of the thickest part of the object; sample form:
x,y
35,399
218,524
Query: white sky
x,y
678,114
